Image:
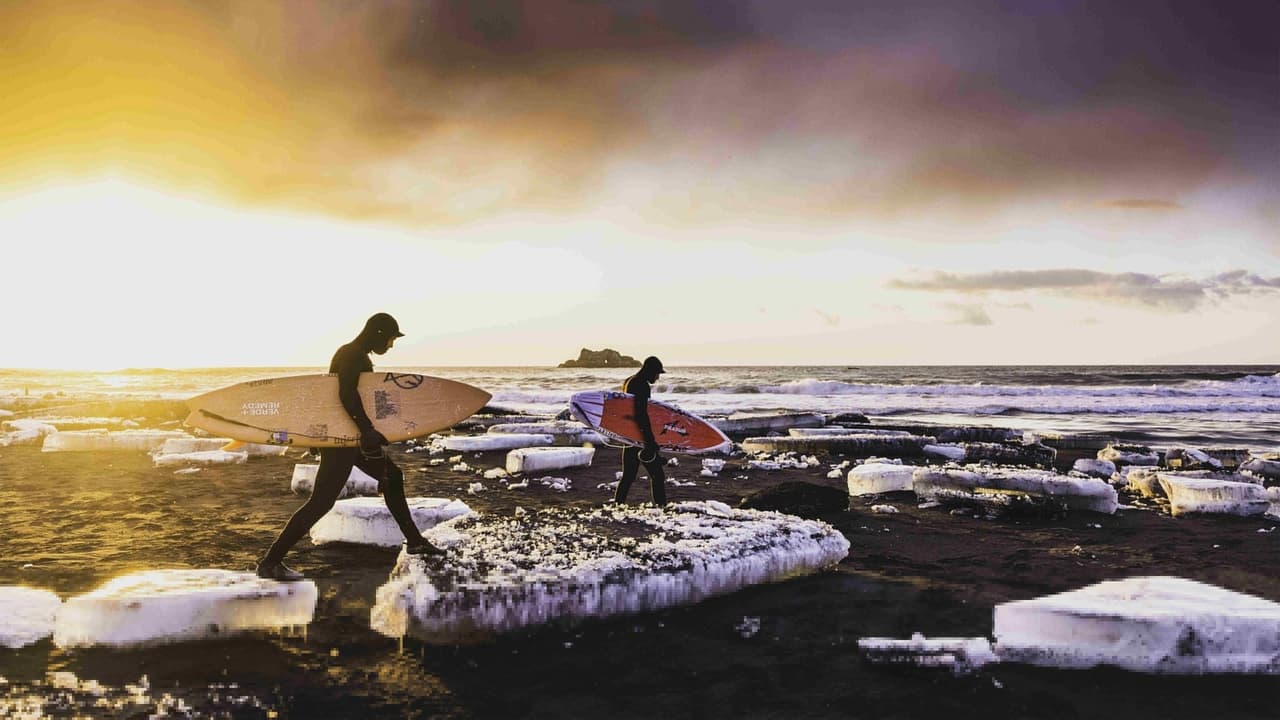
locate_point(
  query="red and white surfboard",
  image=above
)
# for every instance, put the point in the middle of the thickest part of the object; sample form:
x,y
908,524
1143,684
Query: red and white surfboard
x,y
612,414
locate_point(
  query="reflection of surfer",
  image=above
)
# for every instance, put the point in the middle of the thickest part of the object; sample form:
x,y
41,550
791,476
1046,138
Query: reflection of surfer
x,y
379,334
632,457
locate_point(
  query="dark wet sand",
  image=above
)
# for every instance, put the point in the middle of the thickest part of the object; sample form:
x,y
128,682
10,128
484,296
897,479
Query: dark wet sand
x,y
73,520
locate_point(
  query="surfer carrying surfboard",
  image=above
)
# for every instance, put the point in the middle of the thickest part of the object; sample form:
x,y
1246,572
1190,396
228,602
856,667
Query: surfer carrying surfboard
x,y
640,387
379,334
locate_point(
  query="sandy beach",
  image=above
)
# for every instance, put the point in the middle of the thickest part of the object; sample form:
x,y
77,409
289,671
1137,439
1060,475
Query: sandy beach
x,y
74,520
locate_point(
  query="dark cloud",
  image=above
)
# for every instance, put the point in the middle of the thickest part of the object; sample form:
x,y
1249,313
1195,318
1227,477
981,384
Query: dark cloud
x,y
1168,293
437,112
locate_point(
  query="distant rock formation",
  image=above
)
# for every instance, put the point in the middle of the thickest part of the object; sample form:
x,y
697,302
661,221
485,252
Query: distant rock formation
x,y
606,358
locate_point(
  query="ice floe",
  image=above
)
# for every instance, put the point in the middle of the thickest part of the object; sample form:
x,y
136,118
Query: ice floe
x,y
183,445
748,423
872,478
358,481
367,521
1189,495
503,573
996,486
525,460
498,441
25,432
852,445
26,615
1129,455
201,457
1143,624
117,440
960,655
165,606
563,432
1101,469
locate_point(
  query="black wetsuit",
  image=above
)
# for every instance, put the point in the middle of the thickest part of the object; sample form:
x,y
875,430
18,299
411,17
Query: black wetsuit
x,y
639,387
335,463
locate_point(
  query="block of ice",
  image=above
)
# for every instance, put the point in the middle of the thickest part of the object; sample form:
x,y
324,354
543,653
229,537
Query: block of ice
x,y
496,441
26,615
957,654
976,483
1143,624
358,482
164,606
1210,495
548,458
1143,479
1101,469
367,521
827,430
178,446
1266,470
748,423
873,478
25,432
950,452
1033,454
202,457
852,445
118,440
1190,459
562,432
1129,455
508,572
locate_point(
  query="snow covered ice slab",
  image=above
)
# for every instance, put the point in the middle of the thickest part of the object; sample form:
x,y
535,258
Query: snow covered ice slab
x,y
1208,495
874,478
1143,624
526,460
129,440
358,482
747,423
26,615
504,573
165,606
838,430
857,445
367,521
25,432
203,457
496,441
178,446
562,432
1076,493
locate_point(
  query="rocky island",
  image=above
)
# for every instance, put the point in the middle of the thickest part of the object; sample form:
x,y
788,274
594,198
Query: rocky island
x,y
606,358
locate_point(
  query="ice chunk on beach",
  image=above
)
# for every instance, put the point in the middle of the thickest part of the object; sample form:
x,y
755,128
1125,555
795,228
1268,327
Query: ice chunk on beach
x,y
183,445
164,606
1143,624
1210,495
829,430
203,457
1265,470
499,441
875,478
1101,469
118,440
1129,455
367,521
562,432
749,423
25,432
358,481
852,445
548,458
26,615
960,655
950,452
504,573
1190,459
983,485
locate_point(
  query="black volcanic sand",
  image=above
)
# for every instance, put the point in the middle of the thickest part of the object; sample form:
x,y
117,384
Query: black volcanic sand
x,y
74,520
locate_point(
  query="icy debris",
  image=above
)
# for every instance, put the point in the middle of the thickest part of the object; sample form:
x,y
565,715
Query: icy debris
x,y
25,432
978,483
853,445
183,445
960,655
1230,458
1190,459
503,573
475,488
203,457
884,509
783,461
562,432
487,443
367,521
715,465
97,440
495,474
953,453
558,484
1129,455
164,606
26,615
1101,469
748,627
835,430
461,467
1265,470
358,482
748,423
1208,495
1143,624
1034,455
873,478
526,460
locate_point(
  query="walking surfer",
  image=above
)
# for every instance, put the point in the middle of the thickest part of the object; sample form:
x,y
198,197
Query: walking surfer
x,y
640,387
379,334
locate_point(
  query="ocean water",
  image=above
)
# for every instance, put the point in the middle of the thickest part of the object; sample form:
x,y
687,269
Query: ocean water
x,y
1220,405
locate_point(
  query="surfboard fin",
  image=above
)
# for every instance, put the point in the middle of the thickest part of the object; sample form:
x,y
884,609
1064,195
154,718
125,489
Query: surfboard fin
x,y
233,446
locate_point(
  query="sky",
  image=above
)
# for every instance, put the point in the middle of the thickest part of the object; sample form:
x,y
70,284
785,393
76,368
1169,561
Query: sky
x,y
811,182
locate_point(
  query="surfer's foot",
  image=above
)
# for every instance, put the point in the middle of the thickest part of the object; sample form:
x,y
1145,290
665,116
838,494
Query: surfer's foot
x,y
423,548
278,571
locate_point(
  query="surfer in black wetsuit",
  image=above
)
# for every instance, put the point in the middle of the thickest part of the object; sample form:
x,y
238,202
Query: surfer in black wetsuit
x,y
379,334
639,385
